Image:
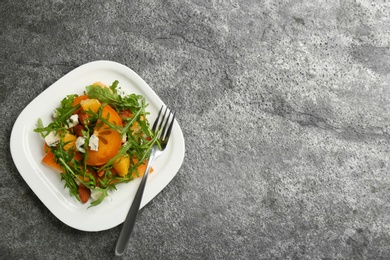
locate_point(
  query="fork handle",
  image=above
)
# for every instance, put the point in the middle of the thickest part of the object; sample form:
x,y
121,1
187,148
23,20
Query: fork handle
x,y
128,225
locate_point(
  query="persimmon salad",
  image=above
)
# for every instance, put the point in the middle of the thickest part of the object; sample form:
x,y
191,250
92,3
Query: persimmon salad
x,y
97,140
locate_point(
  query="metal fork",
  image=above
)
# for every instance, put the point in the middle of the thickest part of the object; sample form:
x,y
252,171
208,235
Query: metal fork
x,y
163,128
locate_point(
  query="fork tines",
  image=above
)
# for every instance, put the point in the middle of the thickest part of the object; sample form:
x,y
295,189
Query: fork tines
x,y
164,123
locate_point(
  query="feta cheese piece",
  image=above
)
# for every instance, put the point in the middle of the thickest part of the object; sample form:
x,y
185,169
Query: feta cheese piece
x,y
94,143
80,141
52,139
95,194
54,114
73,120
124,138
121,92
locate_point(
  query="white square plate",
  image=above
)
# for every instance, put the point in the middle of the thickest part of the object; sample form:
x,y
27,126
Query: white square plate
x,y
27,150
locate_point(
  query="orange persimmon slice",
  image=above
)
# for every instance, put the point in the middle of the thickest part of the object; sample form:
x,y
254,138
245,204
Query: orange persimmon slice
x,y
122,165
69,140
77,101
48,159
141,168
90,104
46,148
109,139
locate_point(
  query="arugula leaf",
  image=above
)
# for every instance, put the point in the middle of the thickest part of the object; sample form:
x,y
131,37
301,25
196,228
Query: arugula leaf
x,y
110,96
61,122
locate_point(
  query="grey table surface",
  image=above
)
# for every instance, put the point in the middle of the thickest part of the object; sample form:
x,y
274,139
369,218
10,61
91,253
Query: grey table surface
x,y
284,107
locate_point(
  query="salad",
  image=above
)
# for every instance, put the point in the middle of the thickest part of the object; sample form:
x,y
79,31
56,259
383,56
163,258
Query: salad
x,y
98,140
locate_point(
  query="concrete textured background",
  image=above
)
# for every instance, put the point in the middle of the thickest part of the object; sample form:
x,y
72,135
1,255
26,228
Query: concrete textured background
x,y
285,110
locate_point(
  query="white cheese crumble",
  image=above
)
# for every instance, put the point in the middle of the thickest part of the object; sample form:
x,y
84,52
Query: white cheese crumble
x,y
121,92
124,138
95,194
94,143
80,141
54,114
52,139
73,120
